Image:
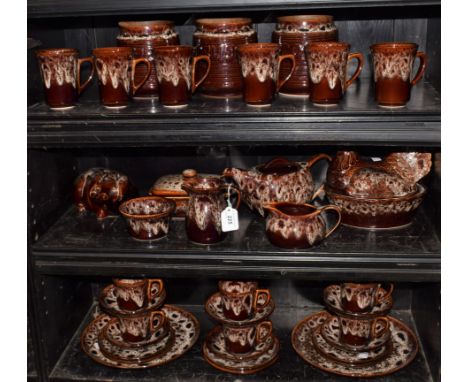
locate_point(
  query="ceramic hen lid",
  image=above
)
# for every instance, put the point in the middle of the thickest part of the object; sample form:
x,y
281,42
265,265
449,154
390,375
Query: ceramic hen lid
x,y
170,185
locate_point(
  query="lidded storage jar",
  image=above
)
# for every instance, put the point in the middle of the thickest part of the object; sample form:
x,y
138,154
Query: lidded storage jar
x,y
219,38
293,33
143,37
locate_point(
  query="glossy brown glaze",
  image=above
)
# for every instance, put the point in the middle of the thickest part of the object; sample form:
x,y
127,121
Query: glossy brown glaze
x,y
207,201
139,328
362,298
175,69
60,74
393,66
143,37
294,33
218,38
260,64
135,294
279,180
101,191
291,225
244,339
327,64
148,217
115,68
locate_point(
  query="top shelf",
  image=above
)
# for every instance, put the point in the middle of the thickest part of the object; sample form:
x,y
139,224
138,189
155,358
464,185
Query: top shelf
x,y
63,8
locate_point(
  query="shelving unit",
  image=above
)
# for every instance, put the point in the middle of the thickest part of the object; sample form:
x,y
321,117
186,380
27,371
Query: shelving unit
x,y
70,257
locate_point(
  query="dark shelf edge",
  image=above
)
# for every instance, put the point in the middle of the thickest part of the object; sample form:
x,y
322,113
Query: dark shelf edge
x,y
85,8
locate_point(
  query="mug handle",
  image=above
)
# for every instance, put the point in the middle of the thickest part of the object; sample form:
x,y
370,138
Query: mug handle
x,y
150,284
374,324
360,58
237,191
161,321
338,211
135,62
269,329
202,57
81,61
258,293
385,296
279,84
422,67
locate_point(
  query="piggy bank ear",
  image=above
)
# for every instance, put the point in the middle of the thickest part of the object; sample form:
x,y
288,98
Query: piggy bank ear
x,y
411,167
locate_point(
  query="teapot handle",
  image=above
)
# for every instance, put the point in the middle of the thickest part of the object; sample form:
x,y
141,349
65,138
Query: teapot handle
x,y
276,161
316,158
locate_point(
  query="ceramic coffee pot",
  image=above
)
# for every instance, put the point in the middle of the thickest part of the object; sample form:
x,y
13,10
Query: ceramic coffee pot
x,y
279,180
207,201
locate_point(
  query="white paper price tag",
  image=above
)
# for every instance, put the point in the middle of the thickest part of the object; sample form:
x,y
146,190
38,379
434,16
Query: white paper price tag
x,y
229,220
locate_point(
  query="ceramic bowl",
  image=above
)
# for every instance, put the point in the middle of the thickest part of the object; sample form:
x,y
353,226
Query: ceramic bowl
x,y
147,217
372,213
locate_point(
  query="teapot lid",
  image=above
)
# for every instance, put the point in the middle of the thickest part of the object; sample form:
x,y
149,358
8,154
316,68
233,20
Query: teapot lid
x,y
171,185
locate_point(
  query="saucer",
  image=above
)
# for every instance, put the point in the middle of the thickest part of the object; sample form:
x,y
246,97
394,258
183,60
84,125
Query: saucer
x,y
248,366
404,348
184,325
108,302
330,331
214,308
216,344
332,299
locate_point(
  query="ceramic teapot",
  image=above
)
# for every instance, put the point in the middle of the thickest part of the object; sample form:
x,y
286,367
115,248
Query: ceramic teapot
x,y
279,180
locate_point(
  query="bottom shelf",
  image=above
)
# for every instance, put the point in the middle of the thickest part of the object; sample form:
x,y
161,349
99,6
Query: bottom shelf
x,y
74,365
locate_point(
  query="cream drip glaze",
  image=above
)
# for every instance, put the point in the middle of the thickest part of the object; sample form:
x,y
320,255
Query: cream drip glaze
x,y
174,69
61,70
330,65
262,67
114,70
393,65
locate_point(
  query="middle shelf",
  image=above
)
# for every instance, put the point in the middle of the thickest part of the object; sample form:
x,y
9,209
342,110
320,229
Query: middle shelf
x,y
83,245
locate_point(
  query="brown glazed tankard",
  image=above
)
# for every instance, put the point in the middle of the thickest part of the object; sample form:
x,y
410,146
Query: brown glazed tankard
x,y
327,64
175,69
60,72
393,66
116,67
260,64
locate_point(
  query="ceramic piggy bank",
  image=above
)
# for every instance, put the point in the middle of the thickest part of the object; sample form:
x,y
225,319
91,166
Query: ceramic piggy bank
x,y
101,191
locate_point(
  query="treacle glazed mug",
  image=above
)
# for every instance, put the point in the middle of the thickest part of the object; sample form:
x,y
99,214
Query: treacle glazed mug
x,y
327,63
116,68
260,64
60,72
393,66
134,294
175,69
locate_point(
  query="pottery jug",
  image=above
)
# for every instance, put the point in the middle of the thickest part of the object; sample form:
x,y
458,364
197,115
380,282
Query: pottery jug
x,y
206,202
279,180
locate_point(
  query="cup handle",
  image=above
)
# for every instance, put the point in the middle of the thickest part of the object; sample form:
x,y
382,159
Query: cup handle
x,y
338,211
279,84
258,293
374,324
194,65
360,58
422,67
161,321
82,86
385,296
269,329
150,284
135,62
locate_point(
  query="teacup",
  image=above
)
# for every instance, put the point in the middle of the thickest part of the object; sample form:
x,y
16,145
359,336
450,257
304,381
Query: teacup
x,y
134,295
241,299
355,332
140,328
361,298
116,67
60,71
393,66
243,339
175,69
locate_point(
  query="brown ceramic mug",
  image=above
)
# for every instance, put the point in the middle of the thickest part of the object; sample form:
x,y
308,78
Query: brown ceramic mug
x,y
327,65
260,64
136,329
393,66
60,73
361,298
355,332
241,299
134,294
175,69
116,68
244,339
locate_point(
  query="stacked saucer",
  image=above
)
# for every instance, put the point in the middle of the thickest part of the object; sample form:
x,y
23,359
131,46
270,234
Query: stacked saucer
x,y
359,339
243,342
136,331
